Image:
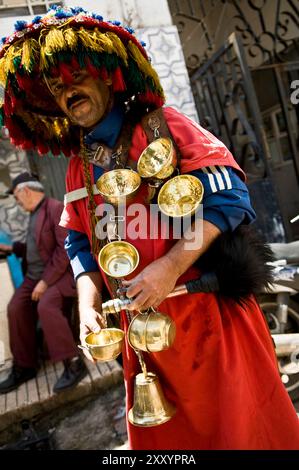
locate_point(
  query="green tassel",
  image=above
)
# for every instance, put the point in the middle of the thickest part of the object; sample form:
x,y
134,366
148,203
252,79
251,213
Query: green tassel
x,y
1,117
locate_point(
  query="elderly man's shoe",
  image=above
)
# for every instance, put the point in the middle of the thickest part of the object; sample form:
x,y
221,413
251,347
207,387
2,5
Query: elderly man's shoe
x,y
17,377
74,371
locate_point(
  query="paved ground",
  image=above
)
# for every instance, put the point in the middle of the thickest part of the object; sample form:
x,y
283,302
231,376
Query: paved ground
x,y
43,412
91,417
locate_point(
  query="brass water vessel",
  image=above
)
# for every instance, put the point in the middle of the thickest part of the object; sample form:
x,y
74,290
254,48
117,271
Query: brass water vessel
x,y
180,196
106,344
118,258
151,332
118,186
158,160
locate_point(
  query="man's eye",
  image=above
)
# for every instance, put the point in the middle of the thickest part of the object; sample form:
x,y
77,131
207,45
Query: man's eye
x,y
57,88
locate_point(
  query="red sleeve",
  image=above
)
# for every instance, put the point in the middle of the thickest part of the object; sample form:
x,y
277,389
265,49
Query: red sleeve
x,y
70,218
199,148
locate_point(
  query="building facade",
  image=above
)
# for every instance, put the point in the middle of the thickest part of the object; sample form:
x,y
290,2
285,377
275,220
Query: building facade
x,y
243,60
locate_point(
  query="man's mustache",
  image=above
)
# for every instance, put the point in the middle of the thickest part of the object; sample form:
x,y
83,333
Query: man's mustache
x,y
73,99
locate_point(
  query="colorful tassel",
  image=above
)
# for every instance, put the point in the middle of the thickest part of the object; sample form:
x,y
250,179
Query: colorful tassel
x,y
118,82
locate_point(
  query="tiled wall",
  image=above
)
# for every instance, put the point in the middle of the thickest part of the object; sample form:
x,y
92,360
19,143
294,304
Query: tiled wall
x,y
13,220
165,50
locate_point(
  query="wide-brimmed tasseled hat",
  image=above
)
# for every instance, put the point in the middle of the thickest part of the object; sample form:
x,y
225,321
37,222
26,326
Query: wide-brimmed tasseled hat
x,y
49,46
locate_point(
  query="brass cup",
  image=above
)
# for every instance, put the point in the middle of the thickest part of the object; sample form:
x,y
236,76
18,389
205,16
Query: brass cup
x,y
151,332
158,160
105,345
118,259
180,196
117,186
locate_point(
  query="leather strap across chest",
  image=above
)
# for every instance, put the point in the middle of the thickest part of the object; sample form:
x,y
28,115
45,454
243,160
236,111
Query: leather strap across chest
x,y
154,125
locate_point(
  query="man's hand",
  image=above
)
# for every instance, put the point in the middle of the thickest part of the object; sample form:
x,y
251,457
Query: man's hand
x,y
152,285
5,249
39,290
89,287
90,321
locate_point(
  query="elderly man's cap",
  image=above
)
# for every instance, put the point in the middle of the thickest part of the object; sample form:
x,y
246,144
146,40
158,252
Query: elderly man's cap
x,y
22,178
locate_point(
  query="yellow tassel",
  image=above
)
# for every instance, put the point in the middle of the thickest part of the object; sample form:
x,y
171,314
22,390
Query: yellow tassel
x,y
3,74
118,46
103,41
58,129
43,59
88,40
30,48
70,38
66,124
10,56
54,41
142,62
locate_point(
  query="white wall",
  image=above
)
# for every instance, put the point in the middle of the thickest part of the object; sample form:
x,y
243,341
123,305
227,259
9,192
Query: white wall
x,y
7,24
138,13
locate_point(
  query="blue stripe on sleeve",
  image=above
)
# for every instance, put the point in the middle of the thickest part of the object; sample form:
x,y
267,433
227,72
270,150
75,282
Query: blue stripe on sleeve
x,y
226,201
78,249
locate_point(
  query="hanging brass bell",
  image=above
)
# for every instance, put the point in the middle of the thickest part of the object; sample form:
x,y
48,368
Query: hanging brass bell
x,y
150,405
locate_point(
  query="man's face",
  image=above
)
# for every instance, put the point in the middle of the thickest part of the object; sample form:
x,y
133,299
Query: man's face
x,y
84,101
22,197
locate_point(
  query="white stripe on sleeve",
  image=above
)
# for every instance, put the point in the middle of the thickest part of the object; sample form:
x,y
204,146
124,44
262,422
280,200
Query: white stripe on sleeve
x,y
226,176
218,177
211,180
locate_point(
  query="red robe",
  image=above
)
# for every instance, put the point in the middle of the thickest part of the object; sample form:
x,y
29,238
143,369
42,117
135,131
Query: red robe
x,y
221,373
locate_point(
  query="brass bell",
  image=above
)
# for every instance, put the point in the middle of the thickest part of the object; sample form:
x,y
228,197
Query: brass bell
x,y
150,405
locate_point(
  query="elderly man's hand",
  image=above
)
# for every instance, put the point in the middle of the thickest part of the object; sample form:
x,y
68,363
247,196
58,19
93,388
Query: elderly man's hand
x,y
152,285
5,249
39,290
90,321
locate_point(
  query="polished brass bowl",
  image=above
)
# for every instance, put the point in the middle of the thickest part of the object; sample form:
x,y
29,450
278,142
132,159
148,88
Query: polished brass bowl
x,y
105,345
180,196
151,332
118,186
158,160
118,258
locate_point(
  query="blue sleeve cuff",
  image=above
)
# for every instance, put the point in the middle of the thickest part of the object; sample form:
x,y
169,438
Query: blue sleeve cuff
x,y
78,249
222,221
82,263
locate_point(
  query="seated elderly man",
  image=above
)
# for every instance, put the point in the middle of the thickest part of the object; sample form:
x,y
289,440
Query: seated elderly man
x,y
48,280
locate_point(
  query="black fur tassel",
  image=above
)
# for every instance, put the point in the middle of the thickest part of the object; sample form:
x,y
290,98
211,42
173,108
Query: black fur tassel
x,y
239,261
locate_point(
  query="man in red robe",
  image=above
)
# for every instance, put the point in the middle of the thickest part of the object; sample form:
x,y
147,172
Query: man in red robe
x,y
221,372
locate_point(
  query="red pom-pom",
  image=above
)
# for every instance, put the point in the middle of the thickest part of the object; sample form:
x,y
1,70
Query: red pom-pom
x,y
26,145
66,73
24,82
151,98
7,106
74,63
92,70
118,82
103,73
55,149
41,146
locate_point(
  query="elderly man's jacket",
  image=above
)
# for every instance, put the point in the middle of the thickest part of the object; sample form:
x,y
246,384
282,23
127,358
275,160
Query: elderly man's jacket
x,y
50,242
